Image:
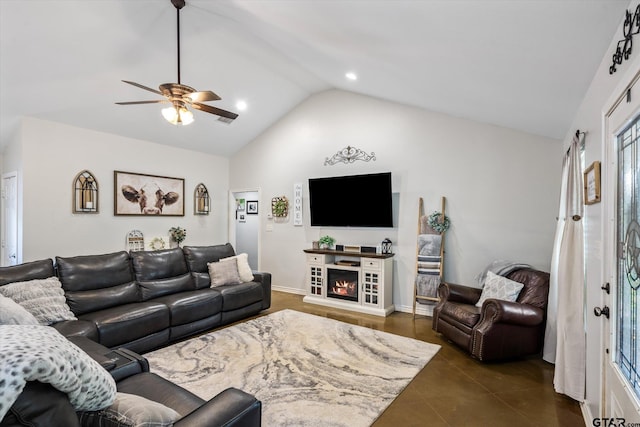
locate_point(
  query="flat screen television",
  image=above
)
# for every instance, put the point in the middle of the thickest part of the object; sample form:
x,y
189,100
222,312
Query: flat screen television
x,y
351,201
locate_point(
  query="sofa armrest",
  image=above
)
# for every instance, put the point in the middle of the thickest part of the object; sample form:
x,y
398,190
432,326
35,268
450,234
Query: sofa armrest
x,y
458,293
265,280
514,313
232,407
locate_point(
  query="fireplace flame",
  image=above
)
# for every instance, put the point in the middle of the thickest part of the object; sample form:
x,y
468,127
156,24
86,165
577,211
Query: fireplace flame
x,y
344,287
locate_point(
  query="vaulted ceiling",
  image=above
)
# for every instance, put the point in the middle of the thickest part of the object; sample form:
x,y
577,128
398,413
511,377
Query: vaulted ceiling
x,y
522,64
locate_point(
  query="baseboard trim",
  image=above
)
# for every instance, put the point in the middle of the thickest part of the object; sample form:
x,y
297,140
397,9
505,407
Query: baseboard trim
x,y
288,290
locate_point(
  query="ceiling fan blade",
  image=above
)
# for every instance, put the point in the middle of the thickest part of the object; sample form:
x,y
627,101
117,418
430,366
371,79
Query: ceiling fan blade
x,y
142,102
214,110
143,87
203,96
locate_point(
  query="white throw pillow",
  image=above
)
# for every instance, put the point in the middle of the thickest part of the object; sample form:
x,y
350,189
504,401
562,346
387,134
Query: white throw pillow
x,y
499,287
12,313
44,298
130,410
224,272
244,270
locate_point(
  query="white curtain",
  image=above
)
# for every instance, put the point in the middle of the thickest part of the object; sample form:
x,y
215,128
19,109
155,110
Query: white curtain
x,y
567,285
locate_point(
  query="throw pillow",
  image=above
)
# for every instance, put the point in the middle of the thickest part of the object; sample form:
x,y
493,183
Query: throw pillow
x,y
130,410
244,270
41,353
499,287
12,313
44,298
224,272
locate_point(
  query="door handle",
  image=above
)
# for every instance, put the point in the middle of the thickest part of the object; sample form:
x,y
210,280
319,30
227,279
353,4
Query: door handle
x,y
606,288
604,311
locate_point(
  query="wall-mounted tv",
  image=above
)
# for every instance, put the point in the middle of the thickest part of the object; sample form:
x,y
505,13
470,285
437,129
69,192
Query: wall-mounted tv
x,y
351,201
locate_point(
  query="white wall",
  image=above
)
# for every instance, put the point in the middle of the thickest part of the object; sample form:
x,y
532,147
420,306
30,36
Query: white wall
x,y
52,154
501,185
589,118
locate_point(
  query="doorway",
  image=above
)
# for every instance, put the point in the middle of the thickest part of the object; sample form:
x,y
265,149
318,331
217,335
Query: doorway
x,y
244,224
10,255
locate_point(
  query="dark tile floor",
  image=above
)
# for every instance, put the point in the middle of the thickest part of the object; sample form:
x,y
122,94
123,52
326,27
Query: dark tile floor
x,y
454,389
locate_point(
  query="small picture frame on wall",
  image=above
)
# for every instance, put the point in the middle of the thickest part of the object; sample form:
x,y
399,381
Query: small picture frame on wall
x,y
252,207
242,217
592,184
240,205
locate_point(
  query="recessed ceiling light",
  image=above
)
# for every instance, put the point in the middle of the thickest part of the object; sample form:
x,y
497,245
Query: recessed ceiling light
x,y
351,76
241,105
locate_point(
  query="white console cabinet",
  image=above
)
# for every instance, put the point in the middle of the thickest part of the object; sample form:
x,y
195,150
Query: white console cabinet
x,y
361,282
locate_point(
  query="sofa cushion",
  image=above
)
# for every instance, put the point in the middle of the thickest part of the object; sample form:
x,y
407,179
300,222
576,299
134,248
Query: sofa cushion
x,y
460,313
130,410
41,405
28,271
12,313
99,299
499,287
151,289
244,269
198,257
78,328
240,295
96,282
186,307
87,272
224,272
129,322
43,298
158,389
154,265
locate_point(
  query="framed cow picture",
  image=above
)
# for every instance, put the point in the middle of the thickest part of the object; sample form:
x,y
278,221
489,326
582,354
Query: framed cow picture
x,y
140,194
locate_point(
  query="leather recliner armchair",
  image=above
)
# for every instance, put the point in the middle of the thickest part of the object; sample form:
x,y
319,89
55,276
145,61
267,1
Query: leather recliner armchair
x,y
499,329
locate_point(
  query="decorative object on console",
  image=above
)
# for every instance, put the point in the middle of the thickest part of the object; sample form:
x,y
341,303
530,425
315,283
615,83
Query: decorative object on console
x,y
349,154
429,255
177,234
280,207
201,200
141,194
85,188
630,28
135,241
157,243
326,242
386,246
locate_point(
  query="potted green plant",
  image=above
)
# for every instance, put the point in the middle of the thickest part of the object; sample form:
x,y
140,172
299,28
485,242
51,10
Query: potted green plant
x,y
326,242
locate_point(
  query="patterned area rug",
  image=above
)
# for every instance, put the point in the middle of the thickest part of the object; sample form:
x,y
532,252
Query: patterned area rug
x,y
307,370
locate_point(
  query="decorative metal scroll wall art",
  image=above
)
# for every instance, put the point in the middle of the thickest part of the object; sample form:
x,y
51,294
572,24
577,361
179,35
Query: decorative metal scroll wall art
x,y
85,193
623,49
349,154
201,200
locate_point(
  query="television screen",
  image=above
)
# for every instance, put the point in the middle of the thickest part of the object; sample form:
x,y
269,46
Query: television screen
x,y
351,201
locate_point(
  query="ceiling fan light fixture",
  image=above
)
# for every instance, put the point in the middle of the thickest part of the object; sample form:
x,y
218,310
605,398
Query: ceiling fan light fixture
x,y
177,115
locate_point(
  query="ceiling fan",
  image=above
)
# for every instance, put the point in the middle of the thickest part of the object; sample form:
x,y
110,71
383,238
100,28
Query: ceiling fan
x,y
181,96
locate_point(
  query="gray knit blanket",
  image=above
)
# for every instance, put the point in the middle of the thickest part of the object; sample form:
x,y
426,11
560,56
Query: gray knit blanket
x,y
40,353
429,261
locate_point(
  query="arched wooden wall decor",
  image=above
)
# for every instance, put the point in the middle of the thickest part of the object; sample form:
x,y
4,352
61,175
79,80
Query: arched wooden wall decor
x,y
85,193
201,200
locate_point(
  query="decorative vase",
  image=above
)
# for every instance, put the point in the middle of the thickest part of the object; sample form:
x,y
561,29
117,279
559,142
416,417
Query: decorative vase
x,y
174,244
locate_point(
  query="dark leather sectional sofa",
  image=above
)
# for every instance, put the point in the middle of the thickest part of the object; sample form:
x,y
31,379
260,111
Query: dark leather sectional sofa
x,y
129,303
